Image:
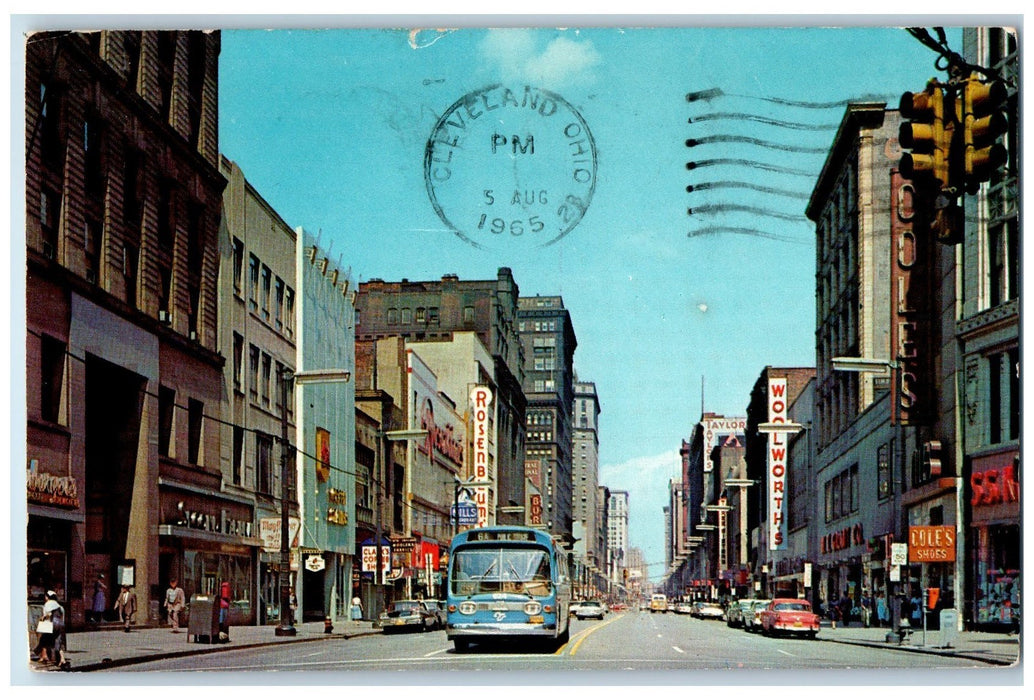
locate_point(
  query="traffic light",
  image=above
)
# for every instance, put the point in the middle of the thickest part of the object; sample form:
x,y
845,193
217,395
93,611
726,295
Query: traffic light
x,y
983,121
928,135
932,458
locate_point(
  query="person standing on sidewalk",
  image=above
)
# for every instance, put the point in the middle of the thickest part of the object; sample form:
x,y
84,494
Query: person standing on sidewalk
x,y
174,602
357,610
125,606
99,602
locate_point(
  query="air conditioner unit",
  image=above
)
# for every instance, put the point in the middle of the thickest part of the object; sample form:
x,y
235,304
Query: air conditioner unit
x,y
48,249
193,335
165,316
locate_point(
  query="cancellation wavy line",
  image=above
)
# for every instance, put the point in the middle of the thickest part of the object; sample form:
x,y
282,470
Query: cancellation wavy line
x,y
747,185
746,116
725,208
693,165
743,231
734,138
712,93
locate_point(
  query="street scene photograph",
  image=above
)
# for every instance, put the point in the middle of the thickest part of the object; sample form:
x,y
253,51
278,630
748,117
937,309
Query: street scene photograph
x,y
517,351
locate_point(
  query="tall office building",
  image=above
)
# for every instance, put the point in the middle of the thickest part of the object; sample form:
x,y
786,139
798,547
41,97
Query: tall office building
x,y
586,463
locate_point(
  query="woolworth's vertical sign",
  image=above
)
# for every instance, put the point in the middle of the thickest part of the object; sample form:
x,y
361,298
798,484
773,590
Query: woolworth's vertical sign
x,y
776,464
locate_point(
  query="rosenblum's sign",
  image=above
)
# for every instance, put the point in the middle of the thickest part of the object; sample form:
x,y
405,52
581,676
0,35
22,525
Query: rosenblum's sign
x,y
931,543
480,400
50,490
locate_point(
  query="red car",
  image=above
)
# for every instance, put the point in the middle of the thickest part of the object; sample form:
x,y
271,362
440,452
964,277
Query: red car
x,y
789,616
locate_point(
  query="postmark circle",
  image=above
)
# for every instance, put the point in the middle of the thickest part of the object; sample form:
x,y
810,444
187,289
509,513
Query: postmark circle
x,y
510,168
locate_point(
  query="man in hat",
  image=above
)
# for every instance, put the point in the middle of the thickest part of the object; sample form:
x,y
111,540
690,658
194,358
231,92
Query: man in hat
x,y
126,606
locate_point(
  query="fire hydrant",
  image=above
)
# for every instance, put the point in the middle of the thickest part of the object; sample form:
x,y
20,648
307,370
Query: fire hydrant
x,y
328,625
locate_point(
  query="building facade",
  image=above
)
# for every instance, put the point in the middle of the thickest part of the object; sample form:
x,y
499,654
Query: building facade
x,y
989,356
617,534
434,310
123,370
585,412
545,329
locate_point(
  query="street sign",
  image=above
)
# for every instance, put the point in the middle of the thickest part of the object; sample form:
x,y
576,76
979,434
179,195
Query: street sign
x,y
468,513
898,554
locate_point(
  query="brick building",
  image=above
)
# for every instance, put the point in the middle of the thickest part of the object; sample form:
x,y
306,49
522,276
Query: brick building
x,y
122,204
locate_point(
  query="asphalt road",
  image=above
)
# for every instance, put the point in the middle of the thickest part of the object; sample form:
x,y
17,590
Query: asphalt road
x,y
624,642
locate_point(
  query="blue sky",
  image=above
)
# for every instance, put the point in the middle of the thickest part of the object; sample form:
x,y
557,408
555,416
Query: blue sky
x,y
331,127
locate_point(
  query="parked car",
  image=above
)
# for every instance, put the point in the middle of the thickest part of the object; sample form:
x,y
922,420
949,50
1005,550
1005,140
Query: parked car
x,y
407,615
575,606
752,619
438,608
684,608
619,607
737,609
710,611
789,616
590,608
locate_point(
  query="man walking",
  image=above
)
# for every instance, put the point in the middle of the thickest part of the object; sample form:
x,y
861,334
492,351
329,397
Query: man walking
x,y
126,606
174,602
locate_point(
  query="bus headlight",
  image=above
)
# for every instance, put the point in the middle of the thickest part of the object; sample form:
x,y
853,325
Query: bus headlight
x,y
468,608
532,607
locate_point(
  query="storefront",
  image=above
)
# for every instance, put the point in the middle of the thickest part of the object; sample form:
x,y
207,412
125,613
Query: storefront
x,y
54,510
994,541
204,538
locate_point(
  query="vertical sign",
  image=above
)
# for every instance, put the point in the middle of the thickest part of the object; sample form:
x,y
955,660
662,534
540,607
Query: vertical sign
x,y
481,499
723,544
480,400
776,464
536,509
322,454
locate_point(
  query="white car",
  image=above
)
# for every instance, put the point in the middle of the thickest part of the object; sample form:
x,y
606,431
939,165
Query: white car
x,y
590,608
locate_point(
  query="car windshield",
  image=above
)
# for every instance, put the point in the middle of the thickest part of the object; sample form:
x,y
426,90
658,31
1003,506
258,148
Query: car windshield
x,y
496,570
406,606
792,606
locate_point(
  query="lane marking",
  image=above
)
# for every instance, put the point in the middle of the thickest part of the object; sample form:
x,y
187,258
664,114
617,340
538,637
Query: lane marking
x,y
786,652
585,635
439,651
678,650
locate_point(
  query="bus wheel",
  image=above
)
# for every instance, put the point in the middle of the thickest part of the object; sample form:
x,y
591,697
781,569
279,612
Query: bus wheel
x,y
462,645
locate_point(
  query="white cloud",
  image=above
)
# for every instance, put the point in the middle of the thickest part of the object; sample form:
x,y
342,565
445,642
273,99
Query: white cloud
x,y
519,57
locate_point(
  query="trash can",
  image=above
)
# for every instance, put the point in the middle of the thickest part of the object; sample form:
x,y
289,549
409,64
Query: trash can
x,y
204,618
949,620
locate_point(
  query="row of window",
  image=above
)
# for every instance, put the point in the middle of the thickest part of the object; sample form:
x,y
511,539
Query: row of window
x,y
842,494
537,326
266,291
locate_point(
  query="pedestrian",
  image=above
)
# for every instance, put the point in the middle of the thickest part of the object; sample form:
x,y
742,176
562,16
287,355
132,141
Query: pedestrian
x,y
917,611
45,628
882,613
834,613
57,617
125,607
224,611
99,602
174,602
357,610
292,600
866,605
845,609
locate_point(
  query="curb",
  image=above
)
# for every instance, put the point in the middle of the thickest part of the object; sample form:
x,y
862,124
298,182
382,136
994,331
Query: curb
x,y
210,649
929,652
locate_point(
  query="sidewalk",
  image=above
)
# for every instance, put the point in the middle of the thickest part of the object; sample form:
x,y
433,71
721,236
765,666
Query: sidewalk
x,y
999,648
100,650
110,649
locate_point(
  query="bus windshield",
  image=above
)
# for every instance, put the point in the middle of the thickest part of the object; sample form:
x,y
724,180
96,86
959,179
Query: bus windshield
x,y
501,570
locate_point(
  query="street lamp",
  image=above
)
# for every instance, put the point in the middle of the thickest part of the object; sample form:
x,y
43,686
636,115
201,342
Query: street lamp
x,y
388,436
285,379
882,367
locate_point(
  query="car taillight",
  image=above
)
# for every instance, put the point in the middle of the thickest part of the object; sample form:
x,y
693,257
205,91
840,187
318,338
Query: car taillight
x,y
532,607
468,608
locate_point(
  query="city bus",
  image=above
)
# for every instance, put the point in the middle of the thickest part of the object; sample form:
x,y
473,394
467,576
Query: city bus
x,y
507,583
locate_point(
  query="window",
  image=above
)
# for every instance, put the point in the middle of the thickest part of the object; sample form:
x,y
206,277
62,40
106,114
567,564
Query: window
x,y
166,407
264,463
195,421
238,265
92,233
393,317
279,307
196,61
279,389
52,374
166,59
238,453
267,283
883,484
131,45
253,277
1004,396
238,360
432,314
51,146
131,209
93,170
421,315
253,372
1004,266
130,261
407,316
166,214
49,206
288,311
267,368
468,314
